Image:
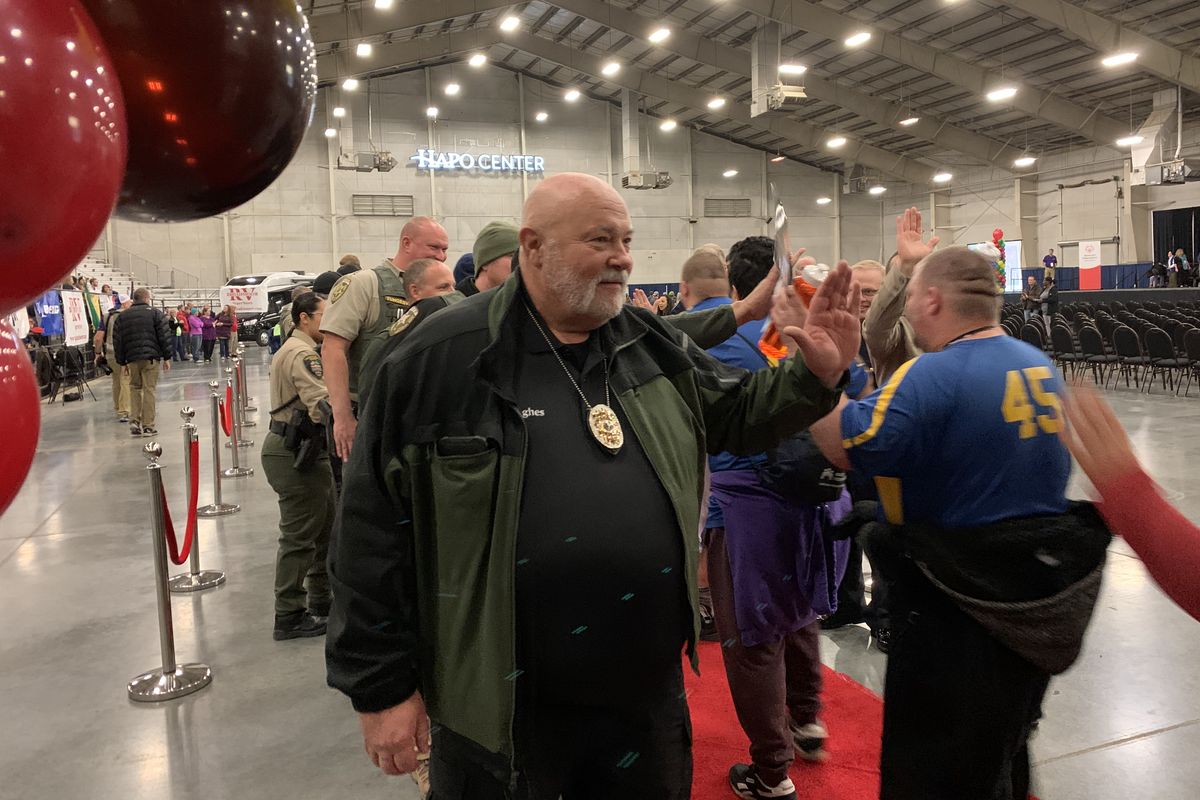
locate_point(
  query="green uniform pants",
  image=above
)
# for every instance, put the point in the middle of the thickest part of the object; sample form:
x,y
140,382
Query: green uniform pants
x,y
306,508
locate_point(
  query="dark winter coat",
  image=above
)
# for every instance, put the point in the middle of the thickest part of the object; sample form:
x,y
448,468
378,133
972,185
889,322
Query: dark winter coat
x,y
141,333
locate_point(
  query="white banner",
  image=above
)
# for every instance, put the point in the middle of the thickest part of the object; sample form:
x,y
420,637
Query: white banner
x,y
75,320
1089,255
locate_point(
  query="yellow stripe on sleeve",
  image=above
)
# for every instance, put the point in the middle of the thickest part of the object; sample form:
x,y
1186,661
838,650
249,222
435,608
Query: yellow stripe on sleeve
x,y
891,497
881,406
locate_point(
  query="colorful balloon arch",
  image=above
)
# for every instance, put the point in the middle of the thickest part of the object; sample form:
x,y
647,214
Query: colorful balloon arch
x,y
998,242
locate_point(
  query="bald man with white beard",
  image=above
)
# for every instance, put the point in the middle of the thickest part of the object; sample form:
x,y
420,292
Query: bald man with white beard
x,y
515,559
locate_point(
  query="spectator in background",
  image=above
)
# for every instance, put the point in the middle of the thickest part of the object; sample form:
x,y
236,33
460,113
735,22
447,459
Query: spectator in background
x,y
195,334
1157,275
286,323
1031,298
179,329
225,324
492,255
348,264
142,338
103,345
1049,298
1185,270
465,266
208,332
1050,262
1173,264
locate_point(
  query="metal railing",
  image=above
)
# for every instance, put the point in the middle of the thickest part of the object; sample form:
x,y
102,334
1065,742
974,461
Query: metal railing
x,y
146,272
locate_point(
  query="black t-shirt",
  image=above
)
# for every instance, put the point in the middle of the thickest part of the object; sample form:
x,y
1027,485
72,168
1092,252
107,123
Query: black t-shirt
x,y
602,610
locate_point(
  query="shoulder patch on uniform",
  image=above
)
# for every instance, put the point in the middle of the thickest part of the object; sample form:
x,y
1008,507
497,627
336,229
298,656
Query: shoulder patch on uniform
x,y
339,289
402,324
312,363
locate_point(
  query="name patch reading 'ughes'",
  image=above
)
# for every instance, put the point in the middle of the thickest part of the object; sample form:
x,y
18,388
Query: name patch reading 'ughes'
x,y
532,412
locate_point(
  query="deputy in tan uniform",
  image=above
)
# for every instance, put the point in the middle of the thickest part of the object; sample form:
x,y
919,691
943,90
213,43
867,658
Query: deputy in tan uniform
x,y
362,306
297,467
102,343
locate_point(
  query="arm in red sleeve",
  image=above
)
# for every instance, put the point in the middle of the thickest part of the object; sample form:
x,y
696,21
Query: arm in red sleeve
x,y
1167,542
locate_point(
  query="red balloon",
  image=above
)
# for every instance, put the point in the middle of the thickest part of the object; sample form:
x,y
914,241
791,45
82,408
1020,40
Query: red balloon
x,y
218,93
21,418
62,143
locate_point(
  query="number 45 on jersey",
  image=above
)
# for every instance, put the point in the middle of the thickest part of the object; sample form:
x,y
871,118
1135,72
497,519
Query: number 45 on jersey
x,y
1020,385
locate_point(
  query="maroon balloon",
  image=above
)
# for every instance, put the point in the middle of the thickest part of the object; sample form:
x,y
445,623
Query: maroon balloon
x,y
21,419
218,96
62,143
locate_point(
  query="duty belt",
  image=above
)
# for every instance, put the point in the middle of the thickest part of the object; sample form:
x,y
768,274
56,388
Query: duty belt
x,y
278,427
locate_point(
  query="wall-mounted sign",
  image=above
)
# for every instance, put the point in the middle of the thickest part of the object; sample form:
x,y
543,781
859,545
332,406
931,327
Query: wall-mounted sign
x,y
432,159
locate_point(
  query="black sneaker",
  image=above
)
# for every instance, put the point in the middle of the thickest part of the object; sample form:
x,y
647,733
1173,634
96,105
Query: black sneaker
x,y
319,611
122,419
299,625
882,637
149,430
840,620
744,780
809,740
135,429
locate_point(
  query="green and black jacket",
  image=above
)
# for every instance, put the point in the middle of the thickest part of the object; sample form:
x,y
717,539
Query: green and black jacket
x,y
423,563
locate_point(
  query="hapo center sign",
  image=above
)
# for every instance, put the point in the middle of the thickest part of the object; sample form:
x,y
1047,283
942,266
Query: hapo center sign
x,y
433,160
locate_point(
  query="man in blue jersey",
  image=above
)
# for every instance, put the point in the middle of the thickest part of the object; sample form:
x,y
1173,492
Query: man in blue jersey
x,y
772,567
994,577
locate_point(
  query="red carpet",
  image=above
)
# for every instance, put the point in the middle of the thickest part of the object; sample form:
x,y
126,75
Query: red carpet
x,y
853,715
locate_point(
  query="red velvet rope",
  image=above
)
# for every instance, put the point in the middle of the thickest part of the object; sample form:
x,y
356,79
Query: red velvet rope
x,y
226,407
179,557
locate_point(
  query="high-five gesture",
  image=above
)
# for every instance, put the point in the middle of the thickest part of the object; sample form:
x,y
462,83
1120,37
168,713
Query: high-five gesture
x,y
910,244
829,338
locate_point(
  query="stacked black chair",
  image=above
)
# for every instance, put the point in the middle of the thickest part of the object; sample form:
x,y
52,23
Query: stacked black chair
x,y
1091,344
1130,356
1163,360
1065,352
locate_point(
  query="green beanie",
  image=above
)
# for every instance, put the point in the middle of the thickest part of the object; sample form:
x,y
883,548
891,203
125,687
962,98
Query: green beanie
x,y
495,240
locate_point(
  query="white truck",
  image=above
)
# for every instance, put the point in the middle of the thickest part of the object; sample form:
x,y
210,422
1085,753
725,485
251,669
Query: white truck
x,y
258,298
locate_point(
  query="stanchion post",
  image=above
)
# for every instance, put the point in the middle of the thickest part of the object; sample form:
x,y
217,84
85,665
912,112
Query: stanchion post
x,y
195,578
238,421
171,680
216,508
237,470
247,400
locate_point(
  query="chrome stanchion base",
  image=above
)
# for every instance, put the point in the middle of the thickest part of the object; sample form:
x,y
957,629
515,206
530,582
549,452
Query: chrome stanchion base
x,y
195,581
218,510
153,686
238,472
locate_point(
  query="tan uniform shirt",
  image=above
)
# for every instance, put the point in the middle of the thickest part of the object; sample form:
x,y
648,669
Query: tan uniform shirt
x,y
353,304
888,334
296,370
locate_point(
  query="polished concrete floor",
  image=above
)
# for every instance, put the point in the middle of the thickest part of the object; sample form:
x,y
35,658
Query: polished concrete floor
x,y
78,608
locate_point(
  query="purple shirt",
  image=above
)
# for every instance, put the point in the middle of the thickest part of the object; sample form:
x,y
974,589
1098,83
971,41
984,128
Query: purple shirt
x,y
210,332
195,326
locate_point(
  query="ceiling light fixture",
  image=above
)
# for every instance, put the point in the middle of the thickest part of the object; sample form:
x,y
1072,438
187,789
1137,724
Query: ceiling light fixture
x,y
877,190
611,68
716,102
1119,59
792,69
778,158
330,133
363,50
431,112
1024,161
383,5
729,173
541,116
510,23
659,35
1003,93
477,60
909,122
571,95
668,125
1130,141
836,141
943,177
824,201
339,112
452,89
350,84
858,39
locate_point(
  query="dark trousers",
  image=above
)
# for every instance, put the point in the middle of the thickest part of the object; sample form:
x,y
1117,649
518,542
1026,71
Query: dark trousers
x,y
208,345
771,683
852,602
224,347
959,705
636,750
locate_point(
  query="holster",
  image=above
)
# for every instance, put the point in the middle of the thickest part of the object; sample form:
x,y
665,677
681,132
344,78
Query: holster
x,y
305,438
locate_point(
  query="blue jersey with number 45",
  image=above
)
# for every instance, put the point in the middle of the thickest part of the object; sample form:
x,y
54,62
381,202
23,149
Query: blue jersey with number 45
x,y
965,436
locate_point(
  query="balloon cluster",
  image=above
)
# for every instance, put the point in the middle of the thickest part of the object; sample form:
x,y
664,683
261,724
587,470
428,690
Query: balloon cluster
x,y
159,110
998,242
